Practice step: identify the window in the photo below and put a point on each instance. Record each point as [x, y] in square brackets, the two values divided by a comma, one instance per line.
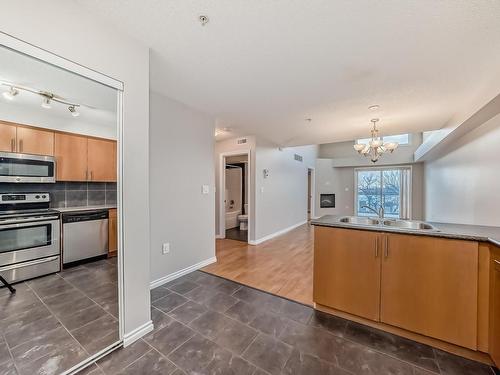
[402, 139]
[383, 187]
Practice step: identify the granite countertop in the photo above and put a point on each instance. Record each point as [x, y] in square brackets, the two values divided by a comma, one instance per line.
[85, 208]
[446, 230]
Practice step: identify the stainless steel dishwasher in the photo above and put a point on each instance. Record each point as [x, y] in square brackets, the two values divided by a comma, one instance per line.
[85, 235]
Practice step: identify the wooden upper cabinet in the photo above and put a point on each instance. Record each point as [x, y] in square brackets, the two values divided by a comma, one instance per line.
[429, 285]
[347, 270]
[7, 137]
[495, 307]
[35, 141]
[71, 157]
[101, 160]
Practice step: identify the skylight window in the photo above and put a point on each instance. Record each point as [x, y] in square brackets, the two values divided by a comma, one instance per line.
[402, 139]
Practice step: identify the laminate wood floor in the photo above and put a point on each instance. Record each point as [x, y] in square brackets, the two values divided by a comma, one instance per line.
[281, 266]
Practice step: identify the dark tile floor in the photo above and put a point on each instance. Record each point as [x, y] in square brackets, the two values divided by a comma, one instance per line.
[209, 325]
[237, 234]
[54, 322]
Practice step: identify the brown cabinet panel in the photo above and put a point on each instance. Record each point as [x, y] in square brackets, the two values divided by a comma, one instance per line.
[71, 157]
[347, 270]
[7, 137]
[101, 160]
[430, 286]
[35, 141]
[495, 308]
[113, 233]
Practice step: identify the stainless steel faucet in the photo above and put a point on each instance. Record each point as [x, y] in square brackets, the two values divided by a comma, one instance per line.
[380, 213]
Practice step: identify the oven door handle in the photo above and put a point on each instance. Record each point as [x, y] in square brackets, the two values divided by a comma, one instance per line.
[28, 264]
[4, 223]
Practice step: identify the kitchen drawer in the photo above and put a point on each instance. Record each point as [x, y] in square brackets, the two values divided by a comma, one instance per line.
[28, 270]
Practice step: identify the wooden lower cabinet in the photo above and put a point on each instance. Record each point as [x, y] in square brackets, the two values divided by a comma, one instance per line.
[347, 270]
[430, 286]
[422, 284]
[112, 233]
[495, 307]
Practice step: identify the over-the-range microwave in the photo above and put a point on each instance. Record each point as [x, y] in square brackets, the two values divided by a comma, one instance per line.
[15, 167]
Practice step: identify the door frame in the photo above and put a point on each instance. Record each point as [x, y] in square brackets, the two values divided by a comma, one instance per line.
[313, 191]
[222, 190]
[41, 54]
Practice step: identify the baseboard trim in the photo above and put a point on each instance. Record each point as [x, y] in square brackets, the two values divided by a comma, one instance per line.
[137, 333]
[276, 234]
[219, 236]
[177, 274]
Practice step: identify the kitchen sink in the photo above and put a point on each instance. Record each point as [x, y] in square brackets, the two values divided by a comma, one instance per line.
[359, 220]
[408, 224]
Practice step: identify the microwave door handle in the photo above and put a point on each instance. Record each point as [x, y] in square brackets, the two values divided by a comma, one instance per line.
[27, 264]
[6, 224]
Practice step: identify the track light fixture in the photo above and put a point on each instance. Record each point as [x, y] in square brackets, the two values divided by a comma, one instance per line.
[47, 97]
[9, 95]
[46, 103]
[73, 111]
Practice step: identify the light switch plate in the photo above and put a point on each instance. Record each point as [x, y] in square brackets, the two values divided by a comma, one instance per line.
[165, 248]
[205, 189]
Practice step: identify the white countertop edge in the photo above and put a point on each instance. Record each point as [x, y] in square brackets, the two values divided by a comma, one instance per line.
[84, 208]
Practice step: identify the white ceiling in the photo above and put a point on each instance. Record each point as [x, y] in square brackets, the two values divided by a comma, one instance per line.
[98, 102]
[261, 67]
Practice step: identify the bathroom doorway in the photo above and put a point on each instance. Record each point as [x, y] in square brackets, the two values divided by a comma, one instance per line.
[236, 178]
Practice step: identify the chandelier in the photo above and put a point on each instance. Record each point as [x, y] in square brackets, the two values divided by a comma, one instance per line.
[376, 147]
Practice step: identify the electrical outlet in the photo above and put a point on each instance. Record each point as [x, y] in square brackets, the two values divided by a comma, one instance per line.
[165, 248]
[205, 189]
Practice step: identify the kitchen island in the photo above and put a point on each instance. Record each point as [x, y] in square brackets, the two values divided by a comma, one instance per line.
[433, 285]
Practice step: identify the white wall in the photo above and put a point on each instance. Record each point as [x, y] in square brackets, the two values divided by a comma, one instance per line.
[463, 186]
[65, 29]
[338, 181]
[181, 161]
[281, 198]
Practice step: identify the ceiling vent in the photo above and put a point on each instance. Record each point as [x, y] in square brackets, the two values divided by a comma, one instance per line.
[242, 141]
[297, 157]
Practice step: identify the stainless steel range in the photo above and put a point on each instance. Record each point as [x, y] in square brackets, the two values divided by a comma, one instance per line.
[29, 236]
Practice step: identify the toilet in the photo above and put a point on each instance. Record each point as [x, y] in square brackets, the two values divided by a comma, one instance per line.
[243, 219]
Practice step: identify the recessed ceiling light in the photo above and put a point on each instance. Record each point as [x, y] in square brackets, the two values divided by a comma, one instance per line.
[203, 19]
[374, 107]
[308, 119]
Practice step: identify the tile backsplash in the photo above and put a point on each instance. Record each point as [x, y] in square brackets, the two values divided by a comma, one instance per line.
[69, 194]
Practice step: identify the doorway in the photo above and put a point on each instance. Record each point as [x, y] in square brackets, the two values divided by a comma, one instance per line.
[310, 194]
[235, 196]
[64, 300]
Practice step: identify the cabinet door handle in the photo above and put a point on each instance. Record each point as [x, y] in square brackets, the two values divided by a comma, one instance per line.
[12, 145]
[497, 262]
[87, 175]
[376, 247]
[91, 175]
[20, 145]
[386, 246]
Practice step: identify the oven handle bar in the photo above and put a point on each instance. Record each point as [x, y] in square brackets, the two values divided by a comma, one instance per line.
[29, 220]
[28, 264]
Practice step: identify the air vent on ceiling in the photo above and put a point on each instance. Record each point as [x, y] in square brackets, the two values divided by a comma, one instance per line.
[297, 157]
[242, 141]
